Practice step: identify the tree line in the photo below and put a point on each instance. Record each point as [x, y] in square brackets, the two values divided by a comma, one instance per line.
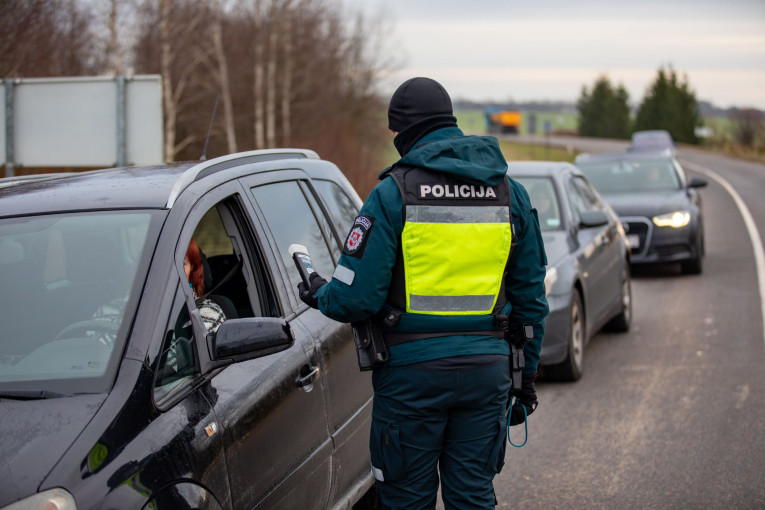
[669, 103]
[274, 73]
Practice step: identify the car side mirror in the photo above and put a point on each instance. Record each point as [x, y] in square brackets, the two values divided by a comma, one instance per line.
[590, 219]
[250, 338]
[697, 182]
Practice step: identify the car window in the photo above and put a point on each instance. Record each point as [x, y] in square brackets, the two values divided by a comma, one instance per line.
[581, 197]
[544, 200]
[627, 176]
[340, 206]
[177, 357]
[68, 287]
[223, 283]
[591, 199]
[651, 140]
[333, 241]
[224, 278]
[292, 221]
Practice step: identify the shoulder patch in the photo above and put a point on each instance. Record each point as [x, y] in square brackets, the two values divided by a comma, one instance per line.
[357, 238]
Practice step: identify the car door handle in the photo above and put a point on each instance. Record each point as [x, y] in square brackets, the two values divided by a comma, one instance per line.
[305, 380]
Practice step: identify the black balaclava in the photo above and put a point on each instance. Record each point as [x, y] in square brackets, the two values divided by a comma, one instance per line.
[419, 106]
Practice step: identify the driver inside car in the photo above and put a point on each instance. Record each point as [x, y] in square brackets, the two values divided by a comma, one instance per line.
[212, 313]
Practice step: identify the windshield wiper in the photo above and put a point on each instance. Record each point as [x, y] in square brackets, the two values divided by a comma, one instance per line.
[30, 394]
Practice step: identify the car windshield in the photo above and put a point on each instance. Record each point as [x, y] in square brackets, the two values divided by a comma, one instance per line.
[68, 283]
[651, 140]
[544, 200]
[626, 176]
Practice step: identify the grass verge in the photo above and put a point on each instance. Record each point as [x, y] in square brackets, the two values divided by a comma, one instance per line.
[515, 151]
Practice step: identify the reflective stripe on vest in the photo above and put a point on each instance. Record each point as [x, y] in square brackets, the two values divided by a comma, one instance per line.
[454, 257]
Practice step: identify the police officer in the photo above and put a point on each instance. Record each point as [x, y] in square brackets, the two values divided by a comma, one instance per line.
[435, 256]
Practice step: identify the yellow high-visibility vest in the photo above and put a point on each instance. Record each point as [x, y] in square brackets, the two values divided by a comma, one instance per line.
[454, 255]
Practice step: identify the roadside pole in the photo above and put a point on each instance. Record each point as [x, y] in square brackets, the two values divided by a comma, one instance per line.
[9, 163]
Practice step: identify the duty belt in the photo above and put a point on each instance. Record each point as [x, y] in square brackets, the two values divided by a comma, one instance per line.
[402, 338]
[393, 316]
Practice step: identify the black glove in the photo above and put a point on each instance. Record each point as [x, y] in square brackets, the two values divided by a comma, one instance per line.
[307, 294]
[526, 397]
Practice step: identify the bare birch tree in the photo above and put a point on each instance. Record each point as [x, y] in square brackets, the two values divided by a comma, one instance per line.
[288, 64]
[223, 79]
[114, 44]
[47, 38]
[289, 72]
[176, 33]
[258, 85]
[166, 60]
[271, 57]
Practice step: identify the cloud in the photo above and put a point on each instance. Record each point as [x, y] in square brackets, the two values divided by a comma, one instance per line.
[494, 49]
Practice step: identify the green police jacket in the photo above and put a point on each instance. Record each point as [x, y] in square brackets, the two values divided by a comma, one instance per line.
[360, 284]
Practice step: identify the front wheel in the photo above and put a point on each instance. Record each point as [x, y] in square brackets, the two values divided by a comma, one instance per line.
[621, 323]
[570, 369]
[695, 265]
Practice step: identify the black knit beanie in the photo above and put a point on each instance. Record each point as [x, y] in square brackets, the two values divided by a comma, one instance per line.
[417, 99]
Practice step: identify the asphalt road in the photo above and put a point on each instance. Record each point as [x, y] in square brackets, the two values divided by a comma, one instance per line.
[669, 415]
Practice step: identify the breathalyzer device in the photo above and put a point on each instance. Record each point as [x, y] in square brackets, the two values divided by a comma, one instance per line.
[299, 254]
[370, 346]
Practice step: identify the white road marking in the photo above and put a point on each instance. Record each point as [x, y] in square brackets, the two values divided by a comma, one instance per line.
[751, 227]
[742, 393]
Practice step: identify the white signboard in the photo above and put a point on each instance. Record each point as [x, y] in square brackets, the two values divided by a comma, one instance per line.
[75, 122]
[2, 127]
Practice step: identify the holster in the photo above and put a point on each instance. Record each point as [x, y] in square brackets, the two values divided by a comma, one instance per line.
[517, 362]
[517, 335]
[370, 345]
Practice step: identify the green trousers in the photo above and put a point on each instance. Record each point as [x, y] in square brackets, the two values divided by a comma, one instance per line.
[445, 420]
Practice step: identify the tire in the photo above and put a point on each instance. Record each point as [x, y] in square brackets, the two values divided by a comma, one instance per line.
[570, 369]
[621, 323]
[369, 501]
[695, 265]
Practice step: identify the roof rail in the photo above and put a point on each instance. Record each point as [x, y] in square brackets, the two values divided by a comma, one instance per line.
[13, 180]
[206, 168]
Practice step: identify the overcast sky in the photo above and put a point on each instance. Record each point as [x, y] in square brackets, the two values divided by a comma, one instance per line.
[521, 50]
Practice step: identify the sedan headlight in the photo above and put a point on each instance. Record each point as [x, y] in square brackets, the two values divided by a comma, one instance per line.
[54, 499]
[675, 219]
[551, 276]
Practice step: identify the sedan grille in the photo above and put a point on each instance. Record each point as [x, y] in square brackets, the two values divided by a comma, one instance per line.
[638, 232]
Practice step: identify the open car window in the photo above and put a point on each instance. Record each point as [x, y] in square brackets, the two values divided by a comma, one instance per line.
[226, 281]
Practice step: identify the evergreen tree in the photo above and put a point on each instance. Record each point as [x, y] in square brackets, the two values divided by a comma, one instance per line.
[604, 113]
[671, 105]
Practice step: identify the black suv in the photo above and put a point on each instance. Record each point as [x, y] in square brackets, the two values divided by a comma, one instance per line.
[113, 394]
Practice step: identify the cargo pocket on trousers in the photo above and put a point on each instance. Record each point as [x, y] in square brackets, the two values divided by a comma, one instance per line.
[496, 459]
[388, 463]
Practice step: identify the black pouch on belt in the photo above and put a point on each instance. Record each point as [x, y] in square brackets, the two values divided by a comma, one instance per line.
[370, 345]
[518, 335]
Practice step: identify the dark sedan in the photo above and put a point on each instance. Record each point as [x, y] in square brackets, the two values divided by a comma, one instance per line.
[588, 277]
[660, 208]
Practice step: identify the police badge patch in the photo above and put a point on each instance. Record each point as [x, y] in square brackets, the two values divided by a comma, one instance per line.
[358, 236]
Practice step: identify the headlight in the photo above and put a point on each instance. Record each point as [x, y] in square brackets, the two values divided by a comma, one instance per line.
[54, 499]
[675, 219]
[551, 276]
